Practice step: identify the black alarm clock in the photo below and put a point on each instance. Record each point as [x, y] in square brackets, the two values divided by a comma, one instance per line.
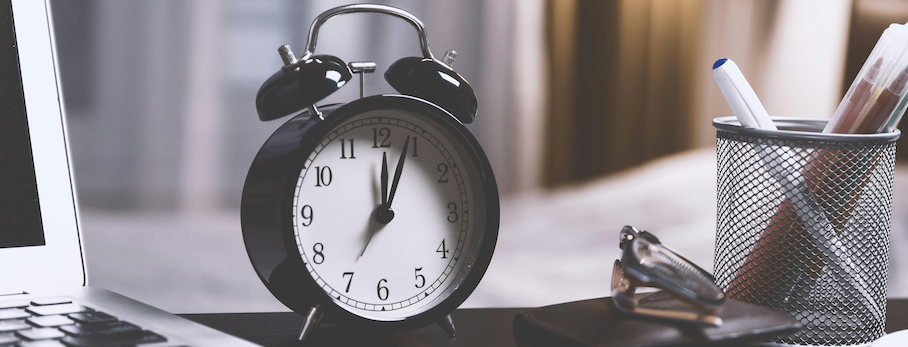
[381, 213]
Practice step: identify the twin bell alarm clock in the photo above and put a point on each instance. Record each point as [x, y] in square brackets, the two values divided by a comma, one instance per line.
[381, 213]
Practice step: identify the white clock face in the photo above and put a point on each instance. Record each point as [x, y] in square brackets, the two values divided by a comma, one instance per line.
[408, 265]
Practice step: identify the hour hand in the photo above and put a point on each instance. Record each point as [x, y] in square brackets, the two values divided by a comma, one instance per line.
[384, 178]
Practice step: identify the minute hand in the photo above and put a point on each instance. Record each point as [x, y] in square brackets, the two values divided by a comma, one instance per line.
[400, 167]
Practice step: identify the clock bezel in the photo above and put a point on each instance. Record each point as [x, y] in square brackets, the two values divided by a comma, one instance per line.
[333, 310]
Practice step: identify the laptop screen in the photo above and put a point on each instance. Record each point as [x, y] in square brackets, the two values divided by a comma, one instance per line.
[20, 215]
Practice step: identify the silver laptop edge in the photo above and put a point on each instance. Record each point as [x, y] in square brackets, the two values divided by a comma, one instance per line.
[64, 129]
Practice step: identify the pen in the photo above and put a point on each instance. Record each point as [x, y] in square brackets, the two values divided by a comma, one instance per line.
[896, 117]
[740, 95]
[882, 107]
[784, 236]
[850, 108]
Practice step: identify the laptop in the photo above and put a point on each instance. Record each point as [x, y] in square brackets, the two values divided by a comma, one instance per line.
[44, 300]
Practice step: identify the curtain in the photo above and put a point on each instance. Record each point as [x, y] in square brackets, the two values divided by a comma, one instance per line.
[631, 79]
[622, 87]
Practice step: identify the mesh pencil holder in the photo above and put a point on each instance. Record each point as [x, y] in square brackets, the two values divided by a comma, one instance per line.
[803, 223]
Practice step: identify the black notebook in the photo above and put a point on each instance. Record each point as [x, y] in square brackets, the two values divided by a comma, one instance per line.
[597, 323]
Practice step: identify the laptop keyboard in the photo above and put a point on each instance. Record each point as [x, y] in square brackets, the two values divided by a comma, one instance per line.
[59, 322]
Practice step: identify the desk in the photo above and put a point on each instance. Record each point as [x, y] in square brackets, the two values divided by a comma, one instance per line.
[475, 327]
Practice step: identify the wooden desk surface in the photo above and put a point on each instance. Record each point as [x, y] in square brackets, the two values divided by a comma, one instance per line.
[475, 327]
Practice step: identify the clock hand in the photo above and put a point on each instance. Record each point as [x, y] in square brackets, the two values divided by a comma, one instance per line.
[382, 212]
[372, 233]
[384, 178]
[400, 167]
[381, 215]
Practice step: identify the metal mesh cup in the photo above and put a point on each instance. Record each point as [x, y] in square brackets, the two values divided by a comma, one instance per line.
[803, 224]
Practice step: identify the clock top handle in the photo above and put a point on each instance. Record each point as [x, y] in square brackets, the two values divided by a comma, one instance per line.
[368, 8]
[424, 77]
[304, 81]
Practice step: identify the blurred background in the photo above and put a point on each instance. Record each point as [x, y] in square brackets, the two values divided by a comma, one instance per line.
[594, 114]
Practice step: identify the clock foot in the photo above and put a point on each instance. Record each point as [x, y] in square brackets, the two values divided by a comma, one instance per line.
[312, 319]
[447, 324]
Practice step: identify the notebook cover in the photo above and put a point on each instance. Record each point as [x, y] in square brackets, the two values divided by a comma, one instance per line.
[597, 323]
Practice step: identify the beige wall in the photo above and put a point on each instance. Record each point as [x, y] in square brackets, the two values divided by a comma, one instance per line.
[792, 52]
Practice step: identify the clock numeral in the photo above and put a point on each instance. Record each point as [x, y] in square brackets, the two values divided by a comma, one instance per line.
[323, 176]
[344, 149]
[381, 132]
[306, 216]
[443, 168]
[420, 278]
[382, 288]
[453, 216]
[415, 150]
[348, 281]
[318, 257]
[442, 249]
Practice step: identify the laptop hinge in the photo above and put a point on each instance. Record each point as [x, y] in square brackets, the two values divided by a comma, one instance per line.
[13, 293]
